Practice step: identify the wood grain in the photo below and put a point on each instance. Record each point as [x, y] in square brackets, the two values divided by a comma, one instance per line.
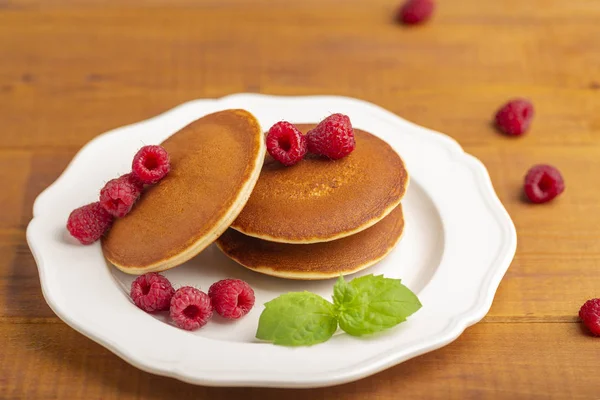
[120, 65]
[71, 70]
[490, 360]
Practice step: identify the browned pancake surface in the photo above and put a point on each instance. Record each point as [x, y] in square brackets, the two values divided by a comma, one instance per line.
[318, 260]
[319, 200]
[212, 161]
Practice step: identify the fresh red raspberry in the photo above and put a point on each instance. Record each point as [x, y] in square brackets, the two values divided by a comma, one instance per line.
[88, 223]
[151, 164]
[231, 298]
[134, 180]
[333, 137]
[543, 183]
[515, 117]
[118, 195]
[415, 11]
[590, 315]
[190, 308]
[286, 143]
[152, 292]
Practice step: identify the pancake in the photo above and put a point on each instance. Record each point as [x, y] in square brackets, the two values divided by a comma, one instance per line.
[318, 200]
[215, 163]
[319, 260]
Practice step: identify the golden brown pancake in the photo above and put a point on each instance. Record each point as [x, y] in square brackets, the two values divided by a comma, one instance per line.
[319, 200]
[318, 260]
[215, 163]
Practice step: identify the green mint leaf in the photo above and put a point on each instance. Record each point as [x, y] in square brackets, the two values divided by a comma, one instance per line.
[297, 319]
[343, 293]
[377, 304]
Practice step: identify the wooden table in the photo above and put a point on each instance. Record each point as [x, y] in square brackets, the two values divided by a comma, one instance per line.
[72, 69]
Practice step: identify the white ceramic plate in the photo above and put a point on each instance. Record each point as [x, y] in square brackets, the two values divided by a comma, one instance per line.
[457, 245]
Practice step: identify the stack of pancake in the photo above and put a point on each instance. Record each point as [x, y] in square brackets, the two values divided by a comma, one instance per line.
[315, 220]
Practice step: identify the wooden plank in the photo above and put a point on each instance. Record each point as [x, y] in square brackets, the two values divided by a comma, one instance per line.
[517, 361]
[24, 174]
[75, 69]
[554, 272]
[19, 282]
[14, 173]
[534, 289]
[558, 256]
[543, 290]
[75, 72]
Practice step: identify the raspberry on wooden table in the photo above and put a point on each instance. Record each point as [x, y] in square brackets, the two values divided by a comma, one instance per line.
[333, 137]
[118, 195]
[590, 315]
[151, 164]
[231, 298]
[415, 11]
[285, 143]
[88, 223]
[543, 183]
[514, 118]
[190, 308]
[152, 292]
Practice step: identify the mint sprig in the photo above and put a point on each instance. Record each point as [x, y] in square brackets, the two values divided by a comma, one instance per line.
[362, 306]
[297, 319]
[373, 303]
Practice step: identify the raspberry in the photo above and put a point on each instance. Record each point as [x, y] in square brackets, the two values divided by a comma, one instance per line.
[118, 195]
[515, 117]
[543, 183]
[190, 308]
[88, 223]
[415, 11]
[333, 137]
[152, 292]
[286, 143]
[590, 315]
[231, 298]
[151, 164]
[134, 180]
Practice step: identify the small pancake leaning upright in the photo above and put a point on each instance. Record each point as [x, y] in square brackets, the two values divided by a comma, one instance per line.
[319, 200]
[215, 163]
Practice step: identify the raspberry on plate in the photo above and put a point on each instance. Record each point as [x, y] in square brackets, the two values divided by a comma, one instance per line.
[190, 308]
[590, 315]
[88, 223]
[415, 11]
[333, 137]
[118, 195]
[152, 292]
[231, 298]
[286, 143]
[151, 164]
[515, 117]
[543, 183]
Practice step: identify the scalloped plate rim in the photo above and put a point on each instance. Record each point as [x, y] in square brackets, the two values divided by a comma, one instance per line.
[457, 324]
